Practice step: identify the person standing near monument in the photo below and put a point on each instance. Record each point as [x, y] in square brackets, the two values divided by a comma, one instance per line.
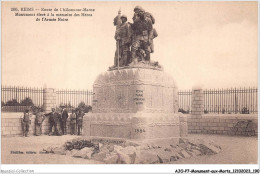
[143, 34]
[73, 118]
[26, 121]
[40, 117]
[54, 118]
[80, 121]
[123, 37]
[64, 117]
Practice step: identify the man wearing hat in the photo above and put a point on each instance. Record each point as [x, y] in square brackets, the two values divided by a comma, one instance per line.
[54, 118]
[123, 36]
[64, 117]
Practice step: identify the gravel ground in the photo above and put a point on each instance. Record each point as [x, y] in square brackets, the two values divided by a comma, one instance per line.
[235, 150]
[36, 144]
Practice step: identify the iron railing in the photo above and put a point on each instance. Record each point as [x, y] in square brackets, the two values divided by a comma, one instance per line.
[184, 98]
[12, 98]
[72, 98]
[16, 96]
[233, 100]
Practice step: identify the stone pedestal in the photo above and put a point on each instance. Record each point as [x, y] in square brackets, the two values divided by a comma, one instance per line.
[135, 103]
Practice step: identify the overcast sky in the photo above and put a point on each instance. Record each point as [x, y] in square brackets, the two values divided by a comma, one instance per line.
[213, 44]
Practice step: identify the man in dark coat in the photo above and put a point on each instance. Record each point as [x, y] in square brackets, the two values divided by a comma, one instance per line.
[64, 117]
[54, 118]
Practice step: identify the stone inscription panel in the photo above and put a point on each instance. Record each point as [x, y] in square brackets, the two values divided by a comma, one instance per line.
[139, 97]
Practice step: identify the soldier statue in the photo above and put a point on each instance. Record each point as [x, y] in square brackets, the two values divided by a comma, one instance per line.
[134, 41]
[123, 37]
[137, 9]
[117, 23]
[142, 36]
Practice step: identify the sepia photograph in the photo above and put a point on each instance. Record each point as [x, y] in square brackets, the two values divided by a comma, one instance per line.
[134, 82]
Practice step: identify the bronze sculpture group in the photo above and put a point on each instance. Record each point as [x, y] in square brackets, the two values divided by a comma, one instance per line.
[134, 40]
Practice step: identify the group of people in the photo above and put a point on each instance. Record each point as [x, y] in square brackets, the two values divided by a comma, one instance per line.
[134, 40]
[55, 118]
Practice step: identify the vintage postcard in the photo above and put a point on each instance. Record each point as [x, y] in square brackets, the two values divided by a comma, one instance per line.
[147, 82]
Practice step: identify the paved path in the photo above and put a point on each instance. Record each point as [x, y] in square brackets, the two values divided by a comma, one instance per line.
[235, 150]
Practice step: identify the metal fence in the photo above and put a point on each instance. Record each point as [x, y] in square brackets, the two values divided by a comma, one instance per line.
[12, 95]
[233, 100]
[17, 99]
[184, 98]
[72, 98]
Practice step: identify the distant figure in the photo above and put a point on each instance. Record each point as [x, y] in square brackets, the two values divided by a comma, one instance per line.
[54, 118]
[26, 121]
[40, 117]
[73, 118]
[80, 121]
[64, 117]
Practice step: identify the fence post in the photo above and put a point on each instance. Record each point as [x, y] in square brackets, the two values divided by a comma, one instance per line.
[197, 102]
[49, 99]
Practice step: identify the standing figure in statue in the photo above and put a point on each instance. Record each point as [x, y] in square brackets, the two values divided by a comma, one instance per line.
[137, 9]
[117, 23]
[40, 117]
[142, 36]
[123, 37]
